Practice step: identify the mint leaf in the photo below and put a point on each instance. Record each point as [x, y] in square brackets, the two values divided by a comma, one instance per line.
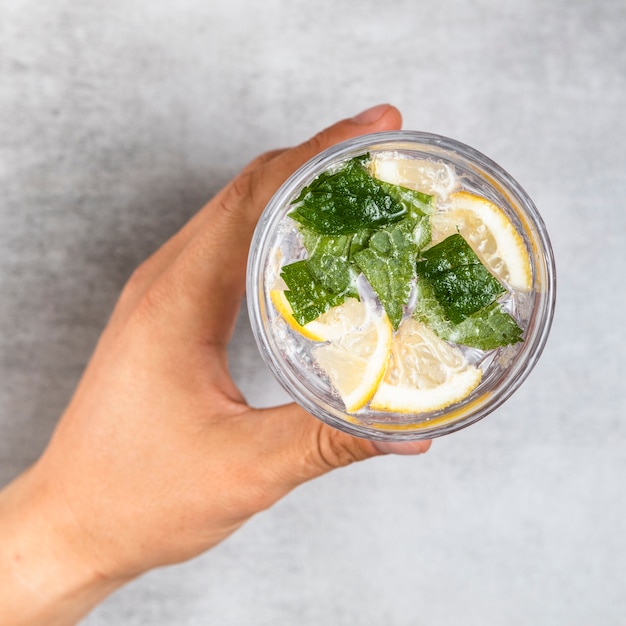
[388, 263]
[416, 202]
[486, 329]
[329, 260]
[461, 283]
[386, 255]
[422, 231]
[346, 201]
[360, 241]
[307, 296]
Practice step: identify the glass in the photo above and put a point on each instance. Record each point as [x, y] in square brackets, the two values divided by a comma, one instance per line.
[289, 355]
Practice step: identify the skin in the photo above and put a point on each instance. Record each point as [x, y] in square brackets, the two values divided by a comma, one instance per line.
[158, 457]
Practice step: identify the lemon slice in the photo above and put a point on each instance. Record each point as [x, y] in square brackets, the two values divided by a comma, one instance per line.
[330, 326]
[279, 300]
[491, 235]
[355, 361]
[430, 177]
[424, 373]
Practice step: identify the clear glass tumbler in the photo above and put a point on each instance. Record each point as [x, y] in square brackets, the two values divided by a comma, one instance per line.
[291, 356]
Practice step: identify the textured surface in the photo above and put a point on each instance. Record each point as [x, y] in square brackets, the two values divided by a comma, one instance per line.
[119, 119]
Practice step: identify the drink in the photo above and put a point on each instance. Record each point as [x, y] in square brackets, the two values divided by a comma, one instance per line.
[401, 285]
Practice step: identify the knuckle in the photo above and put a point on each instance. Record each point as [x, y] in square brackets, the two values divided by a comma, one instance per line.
[263, 158]
[247, 189]
[138, 280]
[317, 143]
[334, 449]
[151, 302]
[239, 193]
[133, 288]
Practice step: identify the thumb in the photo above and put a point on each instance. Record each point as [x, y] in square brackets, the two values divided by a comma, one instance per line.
[307, 447]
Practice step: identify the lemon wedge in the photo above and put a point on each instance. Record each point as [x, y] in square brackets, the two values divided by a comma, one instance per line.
[429, 177]
[356, 358]
[424, 373]
[491, 235]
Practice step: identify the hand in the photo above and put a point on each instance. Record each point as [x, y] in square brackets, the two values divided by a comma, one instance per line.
[158, 457]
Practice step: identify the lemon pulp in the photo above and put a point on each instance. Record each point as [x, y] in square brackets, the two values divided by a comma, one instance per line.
[424, 373]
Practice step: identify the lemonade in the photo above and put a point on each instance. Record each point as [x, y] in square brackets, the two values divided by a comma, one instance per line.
[400, 286]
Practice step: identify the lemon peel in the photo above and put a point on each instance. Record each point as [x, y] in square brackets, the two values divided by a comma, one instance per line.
[355, 362]
[490, 233]
[424, 373]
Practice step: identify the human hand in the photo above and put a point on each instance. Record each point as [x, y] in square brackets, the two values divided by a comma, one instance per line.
[158, 457]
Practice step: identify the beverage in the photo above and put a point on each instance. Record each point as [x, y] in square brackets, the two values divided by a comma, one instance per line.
[400, 286]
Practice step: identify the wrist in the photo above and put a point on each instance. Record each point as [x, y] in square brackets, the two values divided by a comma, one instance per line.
[45, 578]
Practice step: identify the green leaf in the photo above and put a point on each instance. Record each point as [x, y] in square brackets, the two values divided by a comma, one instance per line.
[307, 296]
[486, 329]
[388, 263]
[329, 260]
[386, 255]
[461, 283]
[416, 202]
[352, 223]
[422, 232]
[359, 242]
[346, 201]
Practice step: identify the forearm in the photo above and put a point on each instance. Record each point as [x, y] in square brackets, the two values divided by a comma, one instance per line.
[44, 581]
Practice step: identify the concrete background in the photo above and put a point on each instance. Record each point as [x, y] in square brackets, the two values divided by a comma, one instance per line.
[119, 119]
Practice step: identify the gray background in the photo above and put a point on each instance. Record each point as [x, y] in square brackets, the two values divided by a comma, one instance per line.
[119, 119]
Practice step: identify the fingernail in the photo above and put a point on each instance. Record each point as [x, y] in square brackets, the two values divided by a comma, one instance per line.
[369, 116]
[402, 447]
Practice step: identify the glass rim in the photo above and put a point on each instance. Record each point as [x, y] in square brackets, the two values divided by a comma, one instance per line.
[544, 272]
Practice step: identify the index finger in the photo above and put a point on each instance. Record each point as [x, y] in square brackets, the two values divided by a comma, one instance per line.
[208, 276]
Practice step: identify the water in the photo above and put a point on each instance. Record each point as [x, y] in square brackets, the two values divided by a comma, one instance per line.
[297, 352]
